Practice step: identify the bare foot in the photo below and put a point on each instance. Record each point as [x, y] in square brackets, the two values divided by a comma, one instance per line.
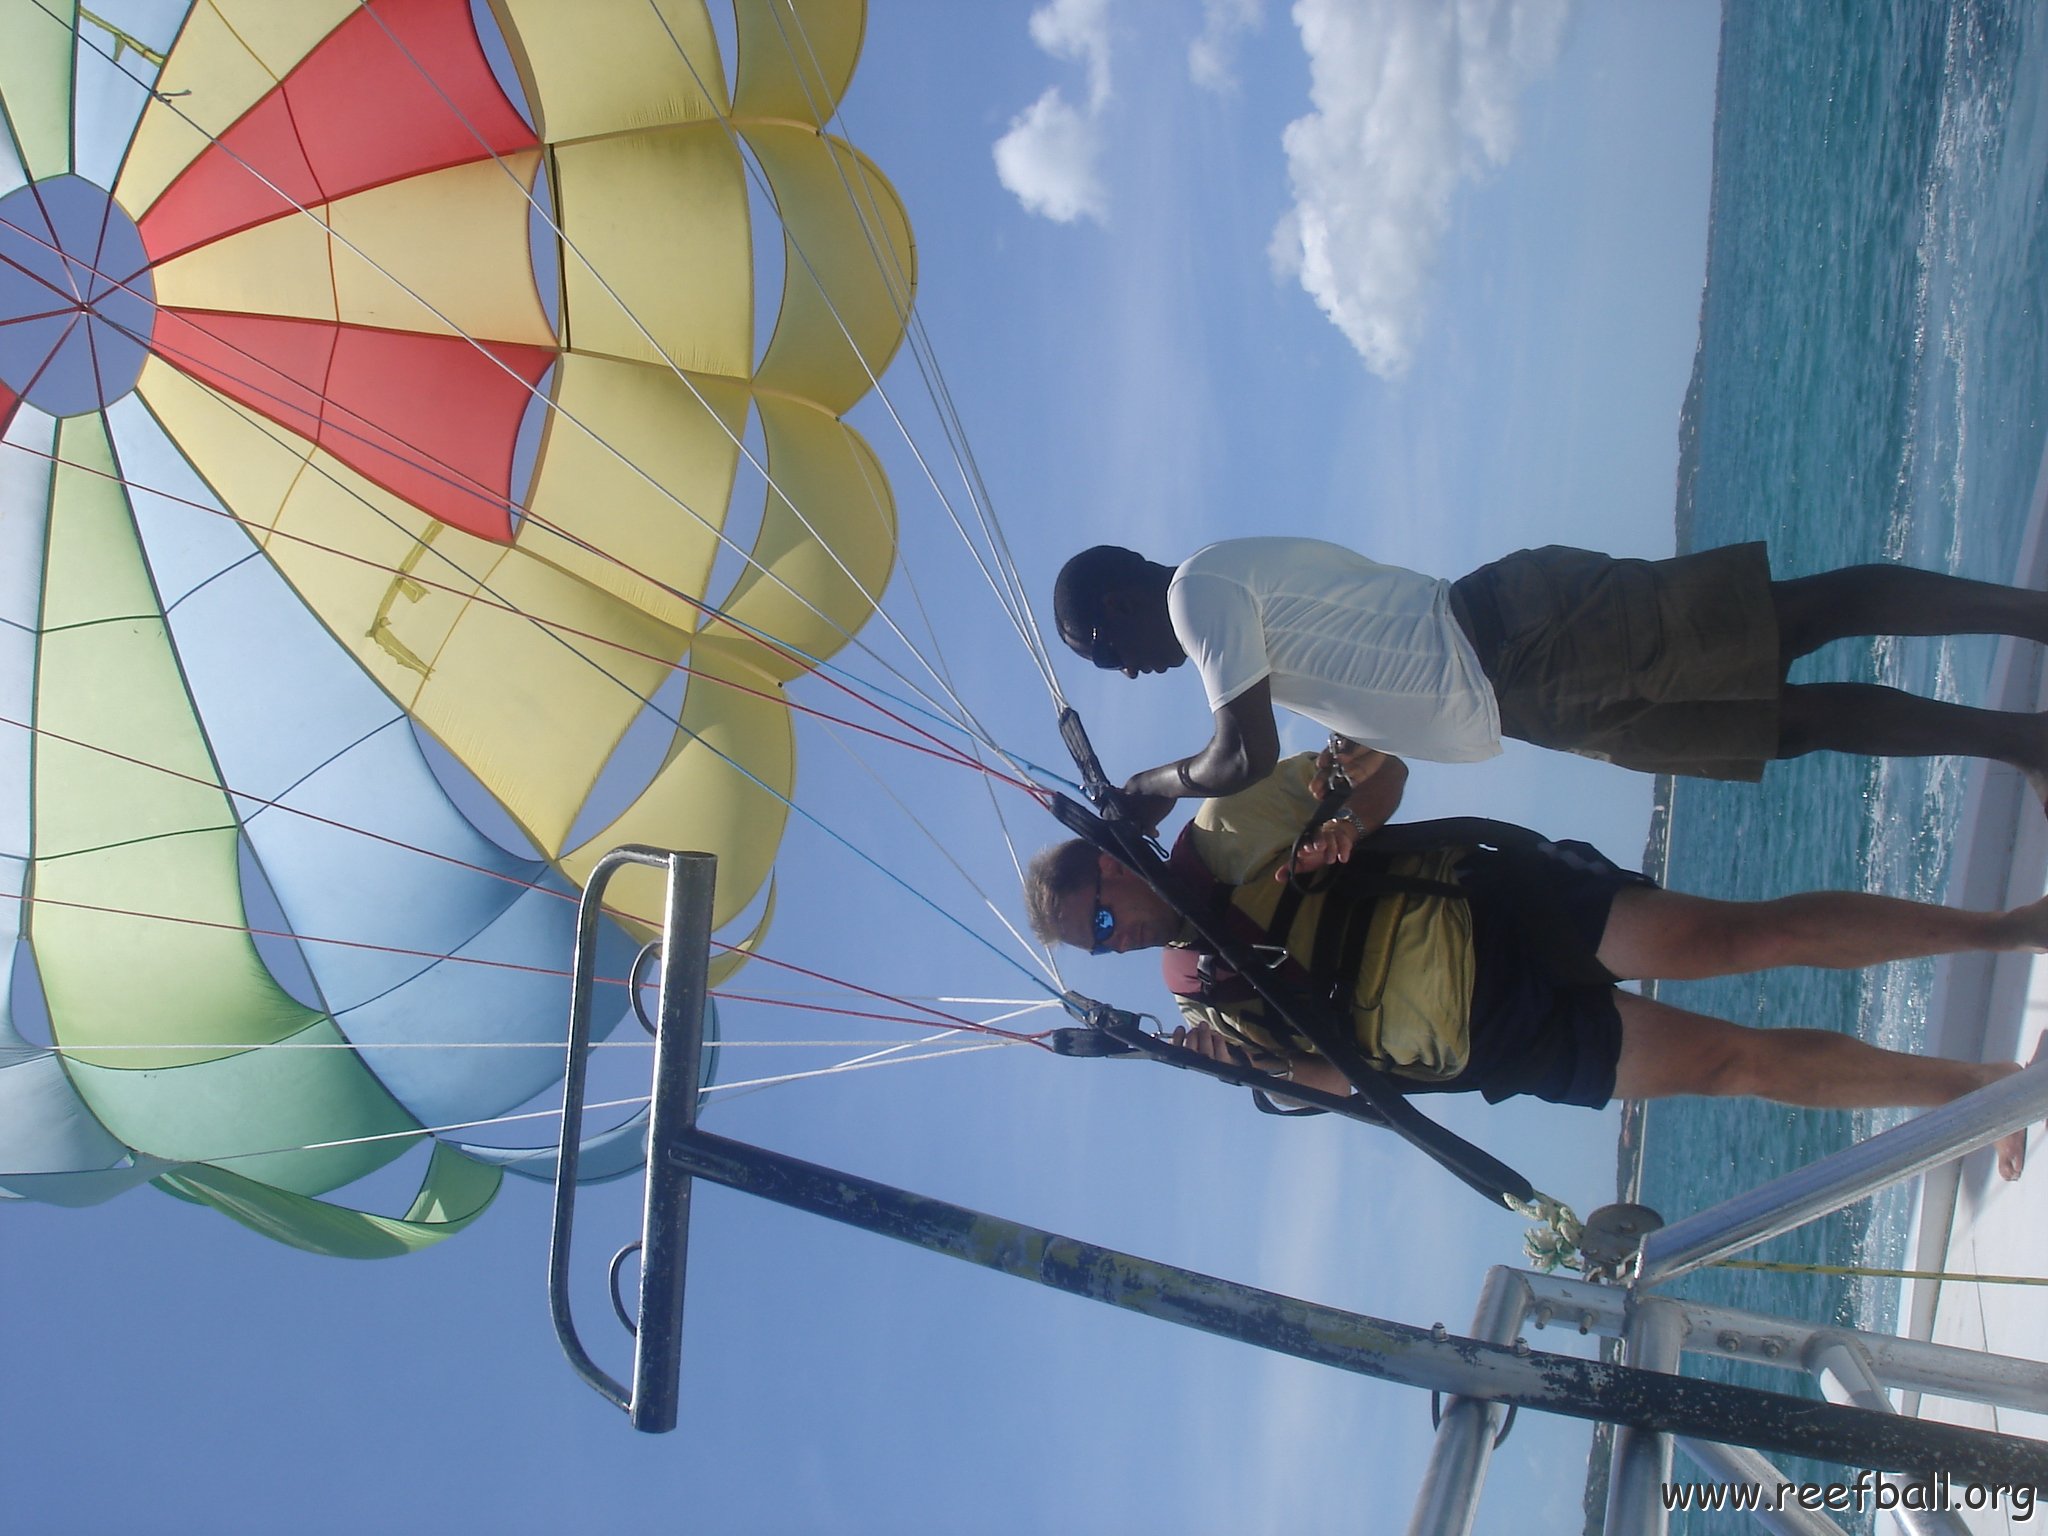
[2012, 1149]
[2029, 925]
[2012, 1155]
[2037, 780]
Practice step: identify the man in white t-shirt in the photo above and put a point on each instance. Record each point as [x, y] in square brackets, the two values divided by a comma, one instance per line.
[1671, 666]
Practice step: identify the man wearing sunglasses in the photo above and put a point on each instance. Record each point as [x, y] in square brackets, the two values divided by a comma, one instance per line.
[1494, 969]
[1667, 666]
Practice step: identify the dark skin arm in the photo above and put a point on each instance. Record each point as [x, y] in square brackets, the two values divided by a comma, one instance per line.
[1242, 752]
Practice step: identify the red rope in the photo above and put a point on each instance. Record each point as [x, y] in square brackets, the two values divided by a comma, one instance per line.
[939, 1018]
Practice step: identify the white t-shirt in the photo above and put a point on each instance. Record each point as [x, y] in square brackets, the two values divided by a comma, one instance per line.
[1366, 649]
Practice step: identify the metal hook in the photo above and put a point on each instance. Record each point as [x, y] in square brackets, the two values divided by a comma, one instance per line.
[1436, 1417]
[612, 1279]
[634, 985]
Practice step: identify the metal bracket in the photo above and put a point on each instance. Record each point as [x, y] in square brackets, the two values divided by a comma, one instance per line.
[678, 1069]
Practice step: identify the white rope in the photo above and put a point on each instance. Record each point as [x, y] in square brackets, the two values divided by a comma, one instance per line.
[569, 416]
[1030, 950]
[1008, 590]
[1011, 594]
[84, 1051]
[756, 1084]
[964, 719]
[639, 1101]
[547, 217]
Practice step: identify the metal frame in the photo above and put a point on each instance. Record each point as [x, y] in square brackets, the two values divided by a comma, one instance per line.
[1482, 1373]
[1852, 1367]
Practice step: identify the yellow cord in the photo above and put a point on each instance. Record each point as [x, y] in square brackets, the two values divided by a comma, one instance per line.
[1882, 1274]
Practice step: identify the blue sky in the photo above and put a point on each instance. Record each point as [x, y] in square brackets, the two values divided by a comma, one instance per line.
[1516, 216]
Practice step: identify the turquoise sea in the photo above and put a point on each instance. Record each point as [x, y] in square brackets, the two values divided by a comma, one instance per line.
[1871, 384]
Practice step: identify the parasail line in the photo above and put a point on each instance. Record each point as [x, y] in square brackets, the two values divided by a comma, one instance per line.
[834, 834]
[580, 427]
[946, 1020]
[1005, 599]
[547, 218]
[1017, 603]
[508, 878]
[944, 851]
[744, 771]
[956, 1026]
[941, 749]
[653, 342]
[479, 1045]
[995, 804]
[552, 405]
[639, 1101]
[431, 466]
[865, 1064]
[275, 933]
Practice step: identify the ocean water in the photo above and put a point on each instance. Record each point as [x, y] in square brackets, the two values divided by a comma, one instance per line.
[1871, 384]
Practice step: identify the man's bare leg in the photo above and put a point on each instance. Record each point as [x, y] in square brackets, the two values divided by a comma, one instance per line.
[1884, 722]
[1675, 937]
[1813, 611]
[1667, 1051]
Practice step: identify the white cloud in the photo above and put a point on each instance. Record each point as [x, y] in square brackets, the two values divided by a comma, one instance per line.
[1411, 98]
[1209, 55]
[1051, 158]
[1078, 30]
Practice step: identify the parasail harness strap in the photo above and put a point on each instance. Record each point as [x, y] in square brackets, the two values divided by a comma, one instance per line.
[1309, 1018]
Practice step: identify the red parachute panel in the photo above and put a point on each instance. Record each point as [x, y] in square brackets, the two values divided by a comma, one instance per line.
[432, 419]
[400, 88]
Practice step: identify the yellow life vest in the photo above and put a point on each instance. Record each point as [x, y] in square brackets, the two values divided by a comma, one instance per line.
[1388, 934]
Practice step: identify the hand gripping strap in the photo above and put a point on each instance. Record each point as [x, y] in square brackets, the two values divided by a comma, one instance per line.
[1312, 1021]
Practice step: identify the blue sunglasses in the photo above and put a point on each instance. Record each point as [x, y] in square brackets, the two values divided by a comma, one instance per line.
[1102, 924]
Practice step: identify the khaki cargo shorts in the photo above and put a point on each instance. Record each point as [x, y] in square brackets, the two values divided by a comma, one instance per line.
[1666, 666]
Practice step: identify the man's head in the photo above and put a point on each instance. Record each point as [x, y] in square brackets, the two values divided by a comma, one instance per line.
[1110, 607]
[1077, 895]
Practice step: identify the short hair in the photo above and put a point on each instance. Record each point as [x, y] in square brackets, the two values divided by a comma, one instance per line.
[1053, 875]
[1084, 582]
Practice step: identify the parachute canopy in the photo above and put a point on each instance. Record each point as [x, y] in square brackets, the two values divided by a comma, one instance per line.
[381, 383]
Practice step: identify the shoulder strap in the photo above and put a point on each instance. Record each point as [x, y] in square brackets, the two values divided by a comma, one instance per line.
[1128, 844]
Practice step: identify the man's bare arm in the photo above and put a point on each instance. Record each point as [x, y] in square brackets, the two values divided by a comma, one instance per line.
[1309, 1071]
[1378, 781]
[1243, 751]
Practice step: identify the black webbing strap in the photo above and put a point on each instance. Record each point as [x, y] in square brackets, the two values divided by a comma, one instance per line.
[1309, 1017]
[1113, 1032]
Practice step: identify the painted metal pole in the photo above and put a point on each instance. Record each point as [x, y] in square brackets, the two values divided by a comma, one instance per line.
[1739, 1464]
[1929, 1139]
[1398, 1352]
[679, 1043]
[1847, 1375]
[1730, 1333]
[1448, 1501]
[678, 1070]
[1640, 1466]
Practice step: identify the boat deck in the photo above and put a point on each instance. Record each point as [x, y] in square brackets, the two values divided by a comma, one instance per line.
[1992, 1007]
